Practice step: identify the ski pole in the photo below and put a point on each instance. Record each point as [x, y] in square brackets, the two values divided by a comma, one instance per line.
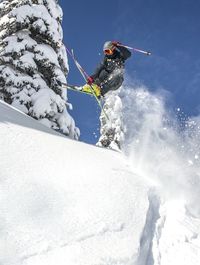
[135, 49]
[84, 74]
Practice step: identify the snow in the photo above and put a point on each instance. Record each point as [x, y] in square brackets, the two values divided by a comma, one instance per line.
[160, 148]
[4, 20]
[67, 202]
[63, 55]
[27, 61]
[46, 102]
[55, 10]
[59, 209]
[112, 129]
[27, 41]
[34, 60]
[42, 18]
[45, 52]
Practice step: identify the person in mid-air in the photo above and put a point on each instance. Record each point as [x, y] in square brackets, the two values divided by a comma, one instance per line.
[109, 75]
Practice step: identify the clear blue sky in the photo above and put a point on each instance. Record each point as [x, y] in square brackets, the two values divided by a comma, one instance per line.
[170, 29]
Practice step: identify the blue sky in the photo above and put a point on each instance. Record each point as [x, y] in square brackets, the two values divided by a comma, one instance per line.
[170, 29]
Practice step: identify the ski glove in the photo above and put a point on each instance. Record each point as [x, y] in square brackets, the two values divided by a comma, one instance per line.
[90, 80]
[116, 43]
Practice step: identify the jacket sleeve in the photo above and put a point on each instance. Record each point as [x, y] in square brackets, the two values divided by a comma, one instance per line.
[124, 52]
[99, 68]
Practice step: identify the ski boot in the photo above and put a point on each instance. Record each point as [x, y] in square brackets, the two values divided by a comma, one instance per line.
[97, 90]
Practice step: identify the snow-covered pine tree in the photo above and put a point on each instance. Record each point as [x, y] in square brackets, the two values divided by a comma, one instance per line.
[33, 59]
[112, 130]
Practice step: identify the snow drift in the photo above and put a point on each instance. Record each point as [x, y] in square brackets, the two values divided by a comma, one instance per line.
[66, 202]
[63, 201]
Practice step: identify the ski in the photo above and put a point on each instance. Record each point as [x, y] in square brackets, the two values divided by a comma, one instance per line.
[85, 76]
[77, 89]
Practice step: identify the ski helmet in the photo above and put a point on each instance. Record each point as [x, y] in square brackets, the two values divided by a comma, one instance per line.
[108, 47]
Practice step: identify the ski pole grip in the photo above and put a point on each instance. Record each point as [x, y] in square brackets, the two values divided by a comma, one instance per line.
[90, 80]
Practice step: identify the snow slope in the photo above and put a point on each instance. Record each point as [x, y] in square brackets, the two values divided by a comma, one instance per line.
[66, 202]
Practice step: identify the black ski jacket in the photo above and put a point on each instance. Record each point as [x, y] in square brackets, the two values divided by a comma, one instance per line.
[109, 73]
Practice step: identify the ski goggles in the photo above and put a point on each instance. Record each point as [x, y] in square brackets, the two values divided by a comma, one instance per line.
[109, 51]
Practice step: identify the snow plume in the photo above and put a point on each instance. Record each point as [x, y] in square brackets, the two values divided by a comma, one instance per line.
[112, 130]
[159, 147]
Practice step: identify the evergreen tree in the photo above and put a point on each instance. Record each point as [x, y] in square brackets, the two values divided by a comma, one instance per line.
[33, 59]
[112, 130]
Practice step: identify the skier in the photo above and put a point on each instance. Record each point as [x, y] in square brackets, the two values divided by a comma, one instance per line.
[109, 75]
